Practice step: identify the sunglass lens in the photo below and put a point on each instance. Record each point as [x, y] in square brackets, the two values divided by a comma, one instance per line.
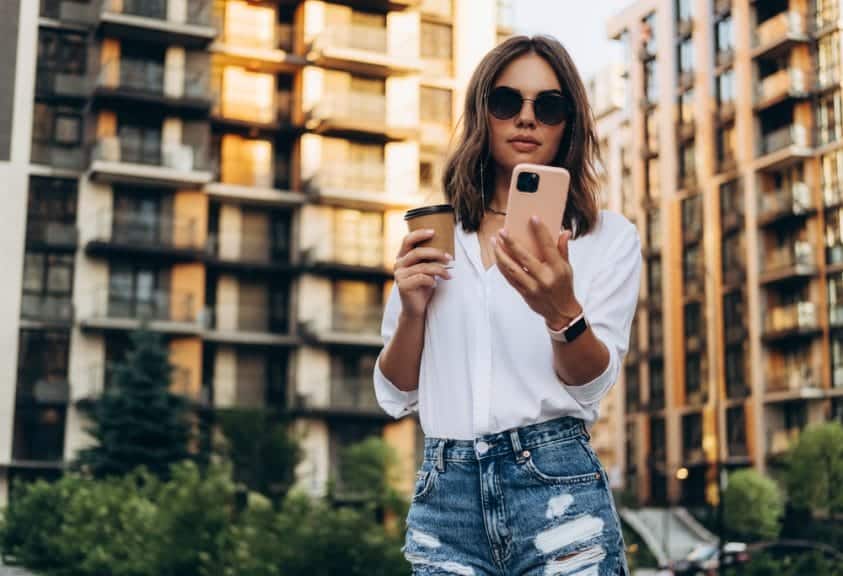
[504, 103]
[550, 108]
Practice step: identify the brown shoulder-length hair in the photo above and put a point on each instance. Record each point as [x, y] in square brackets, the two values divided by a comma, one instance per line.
[578, 151]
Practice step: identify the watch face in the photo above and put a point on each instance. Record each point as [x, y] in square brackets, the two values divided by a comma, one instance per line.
[576, 329]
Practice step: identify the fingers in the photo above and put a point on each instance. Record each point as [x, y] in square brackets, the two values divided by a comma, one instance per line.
[417, 255]
[512, 270]
[545, 240]
[417, 281]
[427, 268]
[413, 238]
[562, 244]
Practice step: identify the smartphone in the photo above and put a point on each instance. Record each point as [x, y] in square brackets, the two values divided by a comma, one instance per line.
[537, 190]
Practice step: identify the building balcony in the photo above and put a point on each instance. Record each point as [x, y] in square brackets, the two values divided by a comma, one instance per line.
[246, 324]
[794, 382]
[380, 5]
[131, 161]
[161, 311]
[47, 309]
[783, 323]
[257, 185]
[779, 33]
[784, 205]
[835, 316]
[347, 327]
[792, 262]
[72, 87]
[735, 275]
[731, 220]
[782, 147]
[784, 84]
[358, 185]
[149, 82]
[93, 382]
[76, 12]
[355, 115]
[248, 252]
[361, 50]
[350, 256]
[737, 389]
[57, 156]
[187, 23]
[47, 234]
[272, 52]
[828, 78]
[348, 397]
[125, 232]
[243, 110]
[780, 440]
[437, 67]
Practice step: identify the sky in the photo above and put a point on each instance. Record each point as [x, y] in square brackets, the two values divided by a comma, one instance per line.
[579, 24]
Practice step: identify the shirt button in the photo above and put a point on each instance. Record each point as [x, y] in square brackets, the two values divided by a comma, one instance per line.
[482, 447]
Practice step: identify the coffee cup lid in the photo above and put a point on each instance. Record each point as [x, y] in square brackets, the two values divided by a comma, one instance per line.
[427, 210]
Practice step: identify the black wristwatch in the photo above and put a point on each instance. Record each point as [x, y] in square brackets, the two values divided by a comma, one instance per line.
[571, 331]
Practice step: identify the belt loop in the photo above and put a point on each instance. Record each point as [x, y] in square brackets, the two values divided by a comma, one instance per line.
[584, 429]
[516, 446]
[440, 456]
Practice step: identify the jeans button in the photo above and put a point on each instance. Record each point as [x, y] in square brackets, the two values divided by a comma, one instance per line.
[482, 447]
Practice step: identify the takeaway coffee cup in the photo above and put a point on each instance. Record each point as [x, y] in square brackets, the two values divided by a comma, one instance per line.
[439, 218]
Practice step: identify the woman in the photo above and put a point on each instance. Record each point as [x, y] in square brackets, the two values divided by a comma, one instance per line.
[507, 356]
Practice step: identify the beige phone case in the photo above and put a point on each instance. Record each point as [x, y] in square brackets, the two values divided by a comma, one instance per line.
[547, 202]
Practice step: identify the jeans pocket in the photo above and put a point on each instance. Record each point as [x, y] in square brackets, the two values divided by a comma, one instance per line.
[566, 462]
[425, 481]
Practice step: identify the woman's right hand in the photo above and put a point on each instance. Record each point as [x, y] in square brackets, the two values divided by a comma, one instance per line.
[416, 270]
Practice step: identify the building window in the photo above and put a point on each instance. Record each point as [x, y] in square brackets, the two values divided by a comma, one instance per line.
[358, 307]
[685, 108]
[651, 86]
[692, 266]
[687, 165]
[633, 390]
[59, 52]
[436, 105]
[726, 88]
[248, 96]
[653, 180]
[694, 393]
[726, 146]
[827, 13]
[656, 385]
[732, 257]
[832, 169]
[140, 144]
[692, 217]
[436, 41]
[736, 431]
[358, 237]
[55, 128]
[829, 118]
[39, 433]
[42, 366]
[648, 34]
[656, 335]
[736, 372]
[651, 126]
[724, 38]
[47, 286]
[684, 10]
[685, 61]
[51, 213]
[137, 292]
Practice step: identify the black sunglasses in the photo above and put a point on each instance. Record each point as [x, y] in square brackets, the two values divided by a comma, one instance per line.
[549, 107]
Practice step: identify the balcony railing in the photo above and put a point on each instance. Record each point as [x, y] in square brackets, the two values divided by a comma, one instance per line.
[159, 305]
[154, 78]
[798, 255]
[795, 379]
[792, 135]
[794, 200]
[100, 378]
[245, 318]
[280, 39]
[131, 228]
[353, 393]
[247, 246]
[364, 319]
[48, 82]
[780, 440]
[780, 28]
[352, 107]
[198, 11]
[798, 316]
[65, 157]
[47, 308]
[51, 233]
[181, 157]
[366, 38]
[369, 177]
[782, 83]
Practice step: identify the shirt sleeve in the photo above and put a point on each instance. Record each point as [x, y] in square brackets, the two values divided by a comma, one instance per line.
[609, 307]
[394, 402]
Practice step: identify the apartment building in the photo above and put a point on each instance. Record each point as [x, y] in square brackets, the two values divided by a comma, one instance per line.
[729, 145]
[233, 173]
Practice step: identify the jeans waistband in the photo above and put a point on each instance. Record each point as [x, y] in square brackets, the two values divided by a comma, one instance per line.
[512, 441]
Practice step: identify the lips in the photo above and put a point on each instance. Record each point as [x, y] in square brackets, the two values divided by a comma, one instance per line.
[524, 143]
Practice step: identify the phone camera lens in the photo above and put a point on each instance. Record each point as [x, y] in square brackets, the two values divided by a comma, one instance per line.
[528, 182]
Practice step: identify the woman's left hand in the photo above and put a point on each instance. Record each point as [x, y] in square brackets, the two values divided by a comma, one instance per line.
[547, 286]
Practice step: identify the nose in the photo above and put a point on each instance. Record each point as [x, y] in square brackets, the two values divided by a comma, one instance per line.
[527, 115]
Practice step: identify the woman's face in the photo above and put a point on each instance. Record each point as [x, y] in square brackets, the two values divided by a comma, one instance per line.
[524, 138]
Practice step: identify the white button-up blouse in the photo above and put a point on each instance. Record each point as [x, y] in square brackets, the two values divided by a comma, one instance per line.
[487, 362]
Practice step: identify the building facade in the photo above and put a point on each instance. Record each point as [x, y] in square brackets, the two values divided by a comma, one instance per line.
[233, 174]
[729, 147]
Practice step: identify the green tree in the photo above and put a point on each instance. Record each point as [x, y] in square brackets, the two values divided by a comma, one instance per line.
[370, 472]
[138, 421]
[814, 473]
[753, 505]
[263, 454]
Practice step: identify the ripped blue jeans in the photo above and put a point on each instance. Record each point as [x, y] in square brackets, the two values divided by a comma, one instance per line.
[533, 501]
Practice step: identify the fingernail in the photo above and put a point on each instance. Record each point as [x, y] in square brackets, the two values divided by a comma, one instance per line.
[448, 257]
[430, 231]
[503, 233]
[534, 219]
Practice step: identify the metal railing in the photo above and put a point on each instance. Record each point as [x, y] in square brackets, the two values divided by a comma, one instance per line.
[795, 378]
[801, 315]
[352, 106]
[246, 246]
[786, 81]
[67, 157]
[779, 28]
[51, 233]
[366, 38]
[153, 77]
[159, 305]
[354, 393]
[198, 11]
[793, 200]
[245, 318]
[47, 308]
[799, 254]
[280, 39]
[370, 177]
[136, 229]
[791, 135]
[360, 320]
[130, 150]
